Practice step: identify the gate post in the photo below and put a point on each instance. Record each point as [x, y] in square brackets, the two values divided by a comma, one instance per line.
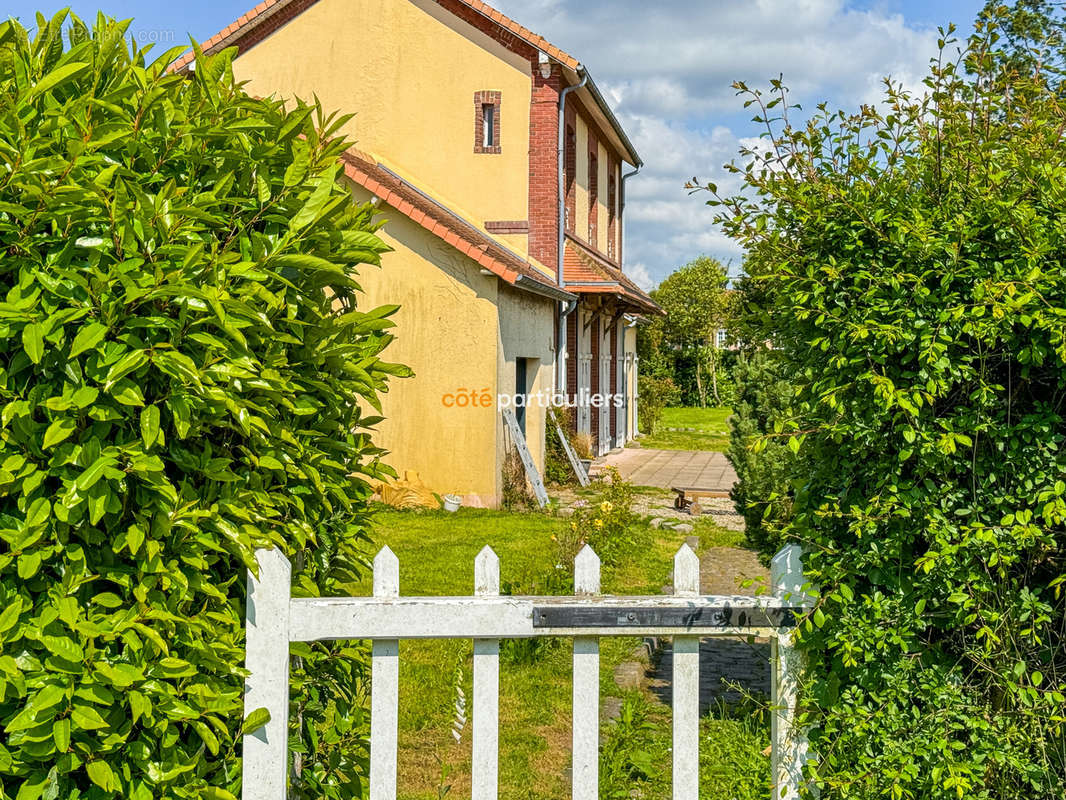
[265, 751]
[789, 748]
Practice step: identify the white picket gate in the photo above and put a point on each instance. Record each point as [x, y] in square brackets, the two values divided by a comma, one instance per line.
[274, 619]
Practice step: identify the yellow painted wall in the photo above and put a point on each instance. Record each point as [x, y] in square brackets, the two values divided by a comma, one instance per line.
[409, 71]
[581, 182]
[526, 331]
[617, 210]
[601, 202]
[446, 331]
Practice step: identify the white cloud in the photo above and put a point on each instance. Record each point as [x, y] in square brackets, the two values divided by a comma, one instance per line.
[667, 68]
[640, 275]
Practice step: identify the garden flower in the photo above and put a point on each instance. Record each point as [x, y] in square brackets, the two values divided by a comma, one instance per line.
[606, 507]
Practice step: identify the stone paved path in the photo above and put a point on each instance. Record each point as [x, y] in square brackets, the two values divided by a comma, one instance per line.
[728, 665]
[699, 469]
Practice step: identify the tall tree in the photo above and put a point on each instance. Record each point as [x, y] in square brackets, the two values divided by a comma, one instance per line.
[697, 305]
[1032, 36]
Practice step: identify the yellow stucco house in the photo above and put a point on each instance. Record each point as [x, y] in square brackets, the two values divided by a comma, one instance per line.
[500, 171]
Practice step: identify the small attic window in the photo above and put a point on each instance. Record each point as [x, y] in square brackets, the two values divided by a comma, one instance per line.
[488, 119]
[487, 122]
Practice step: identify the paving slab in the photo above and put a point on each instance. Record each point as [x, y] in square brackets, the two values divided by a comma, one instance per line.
[696, 469]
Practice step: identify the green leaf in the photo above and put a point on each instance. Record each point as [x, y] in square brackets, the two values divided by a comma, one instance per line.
[93, 473]
[59, 431]
[316, 202]
[100, 774]
[33, 341]
[38, 512]
[28, 564]
[32, 788]
[128, 393]
[182, 415]
[56, 78]
[85, 396]
[125, 365]
[121, 675]
[255, 720]
[89, 336]
[64, 647]
[149, 426]
[87, 718]
[61, 734]
[9, 616]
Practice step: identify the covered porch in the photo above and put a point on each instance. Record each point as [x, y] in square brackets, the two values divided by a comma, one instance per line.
[600, 349]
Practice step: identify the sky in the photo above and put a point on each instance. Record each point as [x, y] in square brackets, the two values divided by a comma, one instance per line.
[667, 67]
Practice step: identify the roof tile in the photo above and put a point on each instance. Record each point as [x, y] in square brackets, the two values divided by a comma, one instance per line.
[254, 17]
[423, 210]
[585, 271]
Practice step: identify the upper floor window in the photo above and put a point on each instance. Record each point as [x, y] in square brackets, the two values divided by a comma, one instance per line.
[487, 122]
[570, 164]
[594, 196]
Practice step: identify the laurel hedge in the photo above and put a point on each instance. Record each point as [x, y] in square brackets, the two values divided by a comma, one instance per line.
[184, 377]
[906, 265]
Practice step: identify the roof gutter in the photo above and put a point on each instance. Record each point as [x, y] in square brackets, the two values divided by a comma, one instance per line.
[622, 207]
[586, 80]
[533, 286]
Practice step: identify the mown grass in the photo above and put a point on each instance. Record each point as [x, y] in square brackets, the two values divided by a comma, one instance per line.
[436, 552]
[711, 430]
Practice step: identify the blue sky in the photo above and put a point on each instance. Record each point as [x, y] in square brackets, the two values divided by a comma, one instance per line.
[667, 67]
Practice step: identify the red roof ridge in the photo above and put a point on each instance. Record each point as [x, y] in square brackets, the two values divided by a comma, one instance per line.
[427, 212]
[255, 16]
[580, 269]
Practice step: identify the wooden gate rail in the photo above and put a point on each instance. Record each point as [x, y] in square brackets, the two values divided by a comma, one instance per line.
[274, 619]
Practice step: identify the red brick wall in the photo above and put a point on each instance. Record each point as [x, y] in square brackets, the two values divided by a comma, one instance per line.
[544, 168]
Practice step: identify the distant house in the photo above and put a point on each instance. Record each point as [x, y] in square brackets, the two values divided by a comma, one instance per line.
[457, 134]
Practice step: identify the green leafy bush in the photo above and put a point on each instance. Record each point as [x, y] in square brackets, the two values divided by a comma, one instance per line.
[765, 465]
[183, 375]
[910, 261]
[653, 395]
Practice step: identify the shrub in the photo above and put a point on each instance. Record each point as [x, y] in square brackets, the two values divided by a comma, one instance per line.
[517, 494]
[653, 395]
[765, 465]
[583, 445]
[910, 260]
[605, 524]
[183, 375]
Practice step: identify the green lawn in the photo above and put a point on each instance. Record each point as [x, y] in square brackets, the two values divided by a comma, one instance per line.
[710, 430]
[436, 551]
